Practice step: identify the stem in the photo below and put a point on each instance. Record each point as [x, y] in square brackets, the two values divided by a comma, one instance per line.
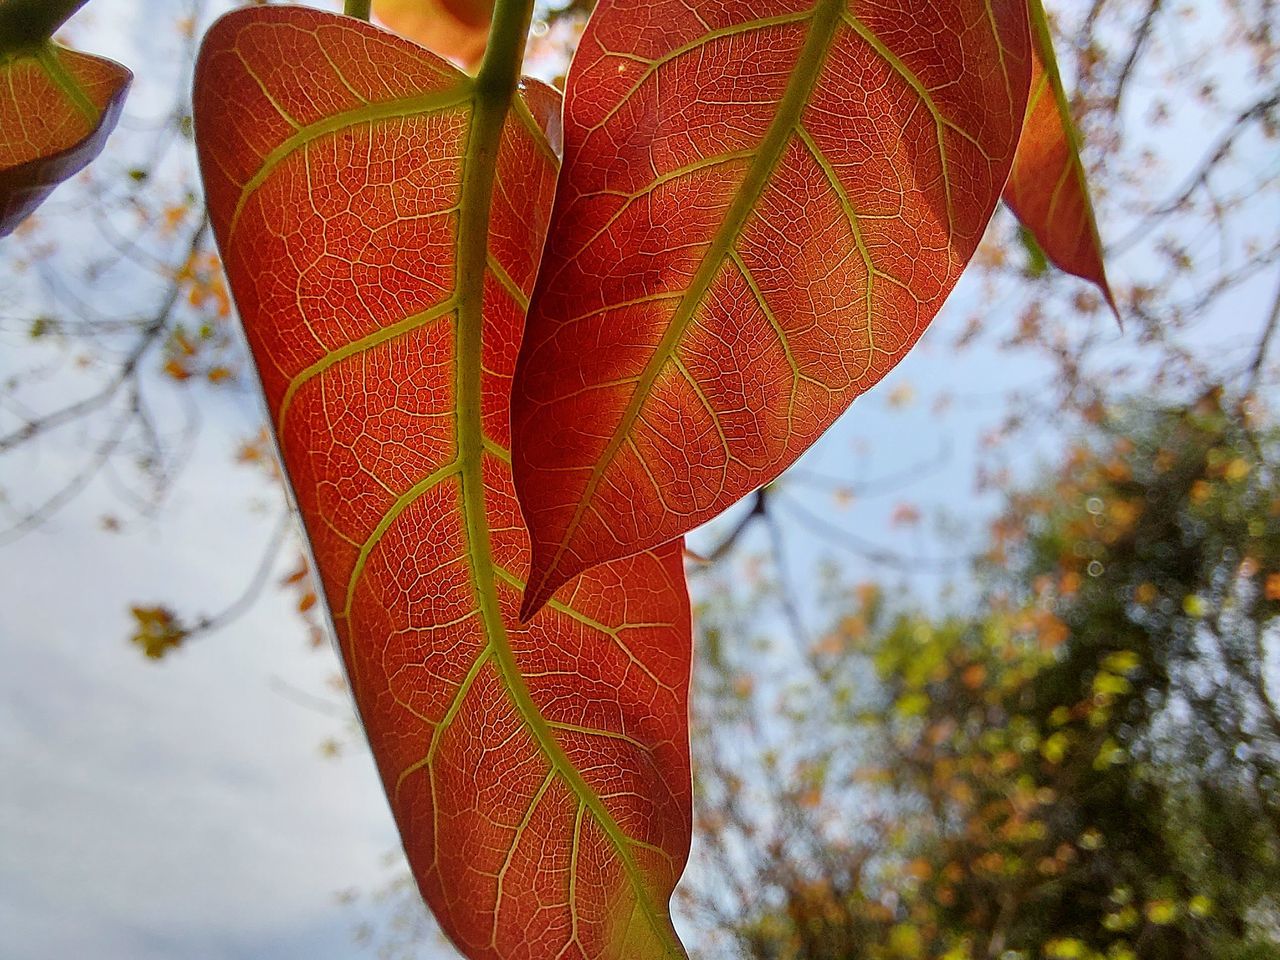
[500, 68]
[357, 8]
[29, 23]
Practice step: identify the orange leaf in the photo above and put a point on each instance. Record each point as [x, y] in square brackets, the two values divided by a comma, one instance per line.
[57, 108]
[176, 370]
[905, 515]
[457, 29]
[296, 575]
[381, 223]
[1047, 189]
[763, 205]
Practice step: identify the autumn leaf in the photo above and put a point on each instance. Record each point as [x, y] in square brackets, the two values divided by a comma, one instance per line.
[57, 108]
[456, 29]
[158, 631]
[1048, 190]
[1272, 586]
[762, 207]
[905, 515]
[381, 218]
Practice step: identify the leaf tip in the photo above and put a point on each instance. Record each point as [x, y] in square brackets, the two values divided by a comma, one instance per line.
[1110, 299]
[536, 595]
[546, 577]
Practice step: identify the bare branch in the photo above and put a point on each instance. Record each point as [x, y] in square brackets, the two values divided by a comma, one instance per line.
[148, 336]
[852, 543]
[1260, 354]
[257, 583]
[759, 506]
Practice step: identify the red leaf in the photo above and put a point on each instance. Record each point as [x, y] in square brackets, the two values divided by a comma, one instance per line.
[539, 774]
[763, 205]
[1048, 190]
[57, 108]
[457, 29]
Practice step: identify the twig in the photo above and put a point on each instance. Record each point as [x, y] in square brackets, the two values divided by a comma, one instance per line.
[759, 508]
[1140, 41]
[1260, 355]
[257, 583]
[150, 333]
[1200, 175]
[854, 544]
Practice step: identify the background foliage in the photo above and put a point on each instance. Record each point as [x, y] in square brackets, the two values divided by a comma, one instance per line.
[1081, 763]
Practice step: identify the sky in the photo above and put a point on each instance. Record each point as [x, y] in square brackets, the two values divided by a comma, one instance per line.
[180, 808]
[183, 808]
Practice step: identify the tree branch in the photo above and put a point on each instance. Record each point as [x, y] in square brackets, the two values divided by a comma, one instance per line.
[1143, 34]
[759, 507]
[150, 333]
[1260, 355]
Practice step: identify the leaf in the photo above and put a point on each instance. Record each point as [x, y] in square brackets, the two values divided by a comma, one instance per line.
[159, 631]
[763, 204]
[1048, 190]
[57, 108]
[457, 29]
[539, 774]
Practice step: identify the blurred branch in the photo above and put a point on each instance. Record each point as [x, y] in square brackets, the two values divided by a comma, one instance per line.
[867, 550]
[889, 483]
[257, 583]
[1216, 154]
[1260, 354]
[128, 368]
[125, 380]
[759, 507]
[310, 701]
[1141, 36]
[787, 595]
[79, 480]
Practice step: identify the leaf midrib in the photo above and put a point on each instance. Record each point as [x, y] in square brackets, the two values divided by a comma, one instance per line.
[478, 176]
[1042, 40]
[50, 60]
[825, 17]
[47, 57]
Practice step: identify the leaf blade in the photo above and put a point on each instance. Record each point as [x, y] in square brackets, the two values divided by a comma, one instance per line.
[57, 108]
[526, 765]
[1048, 189]
[457, 29]
[676, 229]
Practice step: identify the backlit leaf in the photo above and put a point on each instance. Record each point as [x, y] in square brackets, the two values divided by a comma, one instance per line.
[539, 774]
[57, 108]
[1048, 190]
[763, 205]
[456, 29]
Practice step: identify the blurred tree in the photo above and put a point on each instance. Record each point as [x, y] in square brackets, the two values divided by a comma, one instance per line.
[1085, 764]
